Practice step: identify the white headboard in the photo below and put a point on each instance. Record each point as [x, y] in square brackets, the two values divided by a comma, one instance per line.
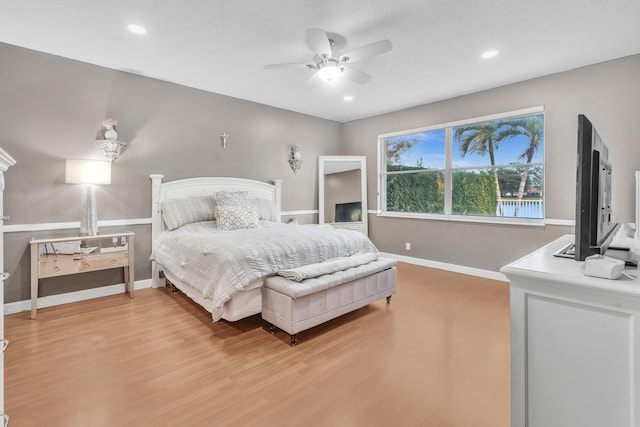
[203, 186]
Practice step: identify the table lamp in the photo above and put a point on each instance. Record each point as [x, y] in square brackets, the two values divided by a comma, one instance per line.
[89, 173]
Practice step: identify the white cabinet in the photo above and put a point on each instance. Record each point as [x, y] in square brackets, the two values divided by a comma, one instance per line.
[5, 161]
[575, 344]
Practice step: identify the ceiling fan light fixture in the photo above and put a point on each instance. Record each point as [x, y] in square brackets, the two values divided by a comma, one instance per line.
[330, 72]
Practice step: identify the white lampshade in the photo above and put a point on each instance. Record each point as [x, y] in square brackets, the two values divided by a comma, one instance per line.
[88, 172]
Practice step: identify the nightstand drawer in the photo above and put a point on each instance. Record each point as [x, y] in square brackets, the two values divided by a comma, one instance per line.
[79, 264]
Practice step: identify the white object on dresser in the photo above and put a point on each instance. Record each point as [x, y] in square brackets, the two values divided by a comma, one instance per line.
[575, 342]
[100, 252]
[5, 161]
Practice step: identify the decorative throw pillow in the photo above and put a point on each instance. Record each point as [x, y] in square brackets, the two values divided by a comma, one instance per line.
[237, 217]
[233, 198]
[266, 209]
[178, 212]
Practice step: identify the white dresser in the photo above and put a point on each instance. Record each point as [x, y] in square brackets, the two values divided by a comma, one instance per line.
[575, 344]
[5, 161]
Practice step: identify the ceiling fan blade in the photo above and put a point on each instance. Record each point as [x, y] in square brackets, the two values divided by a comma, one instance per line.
[319, 42]
[368, 51]
[356, 76]
[292, 65]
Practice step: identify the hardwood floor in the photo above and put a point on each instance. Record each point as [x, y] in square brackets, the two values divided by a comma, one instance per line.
[438, 356]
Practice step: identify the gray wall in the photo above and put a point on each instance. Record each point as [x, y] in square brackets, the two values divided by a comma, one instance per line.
[608, 93]
[51, 109]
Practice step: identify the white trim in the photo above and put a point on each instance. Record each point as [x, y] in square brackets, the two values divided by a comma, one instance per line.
[567, 222]
[15, 228]
[515, 113]
[69, 297]
[306, 212]
[5, 160]
[484, 220]
[487, 274]
[461, 218]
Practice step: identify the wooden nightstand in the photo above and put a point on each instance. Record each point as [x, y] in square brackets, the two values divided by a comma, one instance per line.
[59, 256]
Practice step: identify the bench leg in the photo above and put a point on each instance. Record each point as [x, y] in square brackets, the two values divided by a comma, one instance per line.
[389, 299]
[294, 340]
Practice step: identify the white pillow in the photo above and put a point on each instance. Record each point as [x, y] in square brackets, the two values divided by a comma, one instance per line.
[178, 212]
[266, 209]
[237, 217]
[233, 198]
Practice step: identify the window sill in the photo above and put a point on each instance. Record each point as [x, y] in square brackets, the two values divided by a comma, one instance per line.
[530, 222]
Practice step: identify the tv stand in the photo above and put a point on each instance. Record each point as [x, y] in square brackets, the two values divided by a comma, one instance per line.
[575, 342]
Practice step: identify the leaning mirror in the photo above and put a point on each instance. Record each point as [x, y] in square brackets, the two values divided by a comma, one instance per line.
[342, 192]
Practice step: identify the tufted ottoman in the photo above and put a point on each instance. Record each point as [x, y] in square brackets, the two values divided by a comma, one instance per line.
[297, 306]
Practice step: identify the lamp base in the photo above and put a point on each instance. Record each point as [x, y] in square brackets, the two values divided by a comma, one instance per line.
[89, 220]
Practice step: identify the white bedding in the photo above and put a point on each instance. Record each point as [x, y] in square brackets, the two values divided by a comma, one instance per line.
[221, 263]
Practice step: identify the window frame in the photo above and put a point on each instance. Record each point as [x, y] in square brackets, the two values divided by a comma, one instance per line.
[448, 172]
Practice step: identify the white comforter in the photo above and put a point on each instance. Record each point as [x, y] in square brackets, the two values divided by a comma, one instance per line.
[221, 263]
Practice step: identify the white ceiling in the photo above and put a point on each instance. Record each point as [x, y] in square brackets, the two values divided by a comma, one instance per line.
[221, 46]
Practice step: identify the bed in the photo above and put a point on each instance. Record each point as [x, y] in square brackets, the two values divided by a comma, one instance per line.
[222, 266]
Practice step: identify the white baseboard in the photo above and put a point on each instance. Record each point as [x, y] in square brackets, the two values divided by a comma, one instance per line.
[487, 274]
[66, 298]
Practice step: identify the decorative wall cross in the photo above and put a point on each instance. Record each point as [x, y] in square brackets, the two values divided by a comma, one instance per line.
[224, 137]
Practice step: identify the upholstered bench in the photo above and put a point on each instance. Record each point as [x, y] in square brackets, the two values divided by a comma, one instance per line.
[296, 306]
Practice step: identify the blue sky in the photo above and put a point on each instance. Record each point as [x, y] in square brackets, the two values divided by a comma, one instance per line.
[430, 148]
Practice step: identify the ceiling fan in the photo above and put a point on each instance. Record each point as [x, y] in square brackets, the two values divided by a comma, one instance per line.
[329, 67]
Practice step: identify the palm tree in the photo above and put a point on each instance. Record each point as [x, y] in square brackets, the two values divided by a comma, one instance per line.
[532, 128]
[480, 138]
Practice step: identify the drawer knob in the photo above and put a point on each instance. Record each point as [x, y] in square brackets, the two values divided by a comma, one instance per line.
[56, 268]
[4, 276]
[86, 264]
[113, 261]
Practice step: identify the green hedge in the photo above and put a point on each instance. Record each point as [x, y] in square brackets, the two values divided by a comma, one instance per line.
[423, 192]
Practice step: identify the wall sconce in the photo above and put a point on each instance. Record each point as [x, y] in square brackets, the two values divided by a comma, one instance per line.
[109, 142]
[295, 162]
[88, 172]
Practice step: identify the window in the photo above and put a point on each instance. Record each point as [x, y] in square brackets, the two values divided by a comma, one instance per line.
[487, 167]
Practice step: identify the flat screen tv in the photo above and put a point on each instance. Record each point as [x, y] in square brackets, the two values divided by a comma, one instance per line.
[594, 228]
[349, 212]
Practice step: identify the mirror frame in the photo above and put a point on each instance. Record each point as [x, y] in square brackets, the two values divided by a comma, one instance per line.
[322, 160]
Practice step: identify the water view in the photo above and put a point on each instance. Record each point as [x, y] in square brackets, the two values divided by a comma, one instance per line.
[528, 208]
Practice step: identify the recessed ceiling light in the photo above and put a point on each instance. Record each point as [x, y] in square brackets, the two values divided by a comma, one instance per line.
[489, 54]
[137, 29]
[348, 98]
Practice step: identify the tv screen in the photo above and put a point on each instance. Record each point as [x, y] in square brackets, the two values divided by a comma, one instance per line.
[349, 212]
[594, 228]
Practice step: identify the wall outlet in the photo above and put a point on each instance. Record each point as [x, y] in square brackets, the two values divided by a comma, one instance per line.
[407, 246]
